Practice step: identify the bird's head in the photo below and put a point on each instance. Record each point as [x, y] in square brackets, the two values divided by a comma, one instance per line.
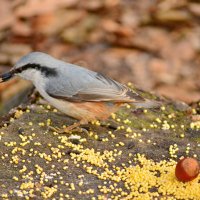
[31, 67]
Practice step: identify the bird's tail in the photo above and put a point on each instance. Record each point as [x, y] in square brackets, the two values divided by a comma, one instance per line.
[147, 104]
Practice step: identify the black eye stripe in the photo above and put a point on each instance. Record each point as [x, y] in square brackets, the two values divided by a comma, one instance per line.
[43, 69]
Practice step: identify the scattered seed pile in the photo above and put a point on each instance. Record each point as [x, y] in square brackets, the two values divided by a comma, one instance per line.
[131, 156]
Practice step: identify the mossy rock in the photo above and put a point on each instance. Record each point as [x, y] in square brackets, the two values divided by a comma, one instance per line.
[130, 156]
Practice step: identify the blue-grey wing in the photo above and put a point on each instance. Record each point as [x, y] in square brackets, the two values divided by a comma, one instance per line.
[78, 84]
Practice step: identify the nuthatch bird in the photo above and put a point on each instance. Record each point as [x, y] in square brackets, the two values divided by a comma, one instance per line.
[78, 92]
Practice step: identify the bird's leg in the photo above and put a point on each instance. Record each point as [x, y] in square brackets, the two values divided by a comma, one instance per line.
[73, 127]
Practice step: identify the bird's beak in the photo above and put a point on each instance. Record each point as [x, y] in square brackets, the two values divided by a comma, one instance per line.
[6, 76]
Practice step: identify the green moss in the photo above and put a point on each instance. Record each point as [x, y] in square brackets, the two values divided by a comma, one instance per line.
[118, 151]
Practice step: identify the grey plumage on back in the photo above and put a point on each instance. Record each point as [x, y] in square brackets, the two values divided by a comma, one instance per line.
[74, 83]
[79, 84]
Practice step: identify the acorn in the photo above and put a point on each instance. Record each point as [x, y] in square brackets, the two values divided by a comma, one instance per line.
[187, 169]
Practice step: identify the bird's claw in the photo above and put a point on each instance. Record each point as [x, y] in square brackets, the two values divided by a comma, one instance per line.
[56, 129]
[68, 129]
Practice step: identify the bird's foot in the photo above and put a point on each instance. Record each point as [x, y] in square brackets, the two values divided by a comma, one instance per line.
[77, 129]
[56, 129]
[72, 128]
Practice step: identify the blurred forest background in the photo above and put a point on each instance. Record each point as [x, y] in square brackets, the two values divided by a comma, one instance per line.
[153, 43]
